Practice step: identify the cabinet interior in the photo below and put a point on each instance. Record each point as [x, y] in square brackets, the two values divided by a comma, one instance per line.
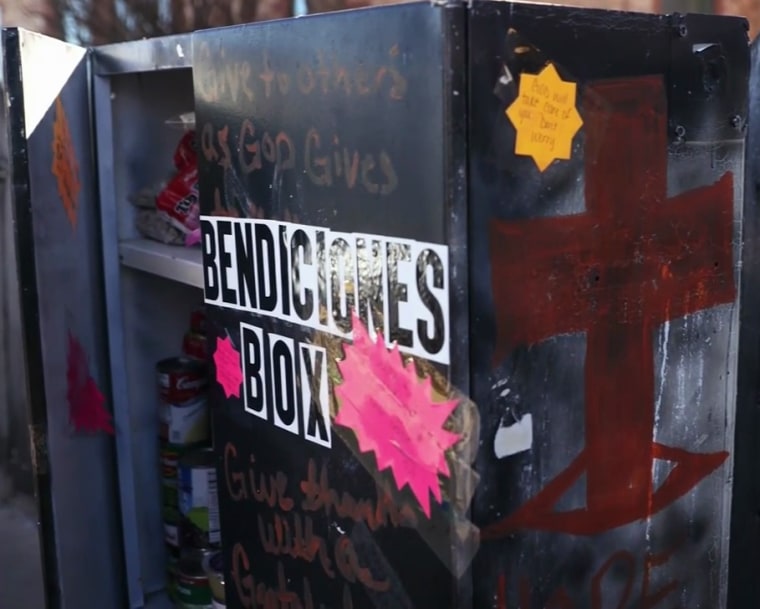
[156, 287]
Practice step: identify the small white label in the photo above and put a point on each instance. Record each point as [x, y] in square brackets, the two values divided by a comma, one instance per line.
[515, 438]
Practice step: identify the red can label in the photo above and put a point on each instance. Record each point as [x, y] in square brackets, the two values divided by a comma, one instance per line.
[181, 380]
[194, 345]
[198, 321]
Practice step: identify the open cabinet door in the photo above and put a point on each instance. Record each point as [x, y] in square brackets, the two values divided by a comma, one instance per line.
[55, 214]
[333, 179]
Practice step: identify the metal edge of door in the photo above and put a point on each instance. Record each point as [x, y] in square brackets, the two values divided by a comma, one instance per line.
[456, 158]
[744, 549]
[101, 117]
[27, 278]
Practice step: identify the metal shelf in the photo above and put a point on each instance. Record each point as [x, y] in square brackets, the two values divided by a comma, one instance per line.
[182, 264]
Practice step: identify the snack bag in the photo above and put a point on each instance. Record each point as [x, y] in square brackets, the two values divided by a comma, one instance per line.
[177, 202]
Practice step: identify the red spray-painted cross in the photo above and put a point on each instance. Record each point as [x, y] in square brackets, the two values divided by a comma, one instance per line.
[634, 260]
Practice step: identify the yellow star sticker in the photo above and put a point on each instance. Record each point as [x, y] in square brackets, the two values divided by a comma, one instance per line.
[545, 117]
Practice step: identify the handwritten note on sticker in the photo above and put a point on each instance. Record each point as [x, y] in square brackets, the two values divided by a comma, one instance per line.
[229, 374]
[65, 166]
[86, 402]
[392, 413]
[545, 117]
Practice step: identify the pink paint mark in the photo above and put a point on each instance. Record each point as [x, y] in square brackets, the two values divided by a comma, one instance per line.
[86, 410]
[228, 371]
[391, 411]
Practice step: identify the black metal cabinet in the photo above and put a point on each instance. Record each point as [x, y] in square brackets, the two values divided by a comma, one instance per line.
[582, 174]
[480, 287]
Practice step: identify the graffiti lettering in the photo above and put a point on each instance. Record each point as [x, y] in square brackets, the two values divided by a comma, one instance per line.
[244, 483]
[625, 568]
[252, 594]
[295, 537]
[263, 78]
[326, 160]
[318, 496]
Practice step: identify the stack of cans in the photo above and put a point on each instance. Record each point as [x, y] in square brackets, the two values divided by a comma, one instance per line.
[199, 533]
[215, 572]
[190, 505]
[184, 427]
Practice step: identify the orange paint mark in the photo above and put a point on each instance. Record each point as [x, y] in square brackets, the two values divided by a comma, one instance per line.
[65, 166]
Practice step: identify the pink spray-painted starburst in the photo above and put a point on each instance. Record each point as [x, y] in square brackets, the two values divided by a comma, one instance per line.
[392, 413]
[228, 371]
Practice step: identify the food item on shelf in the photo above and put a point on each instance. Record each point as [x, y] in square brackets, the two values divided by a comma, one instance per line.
[170, 212]
[177, 202]
[183, 425]
[214, 568]
[153, 226]
[188, 476]
[187, 423]
[181, 380]
[194, 342]
[198, 503]
[193, 589]
[146, 198]
[184, 410]
[194, 345]
[198, 321]
[170, 456]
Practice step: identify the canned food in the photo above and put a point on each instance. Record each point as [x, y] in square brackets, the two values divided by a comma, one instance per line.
[183, 407]
[198, 502]
[187, 424]
[181, 379]
[193, 590]
[198, 321]
[194, 345]
[214, 568]
[170, 456]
